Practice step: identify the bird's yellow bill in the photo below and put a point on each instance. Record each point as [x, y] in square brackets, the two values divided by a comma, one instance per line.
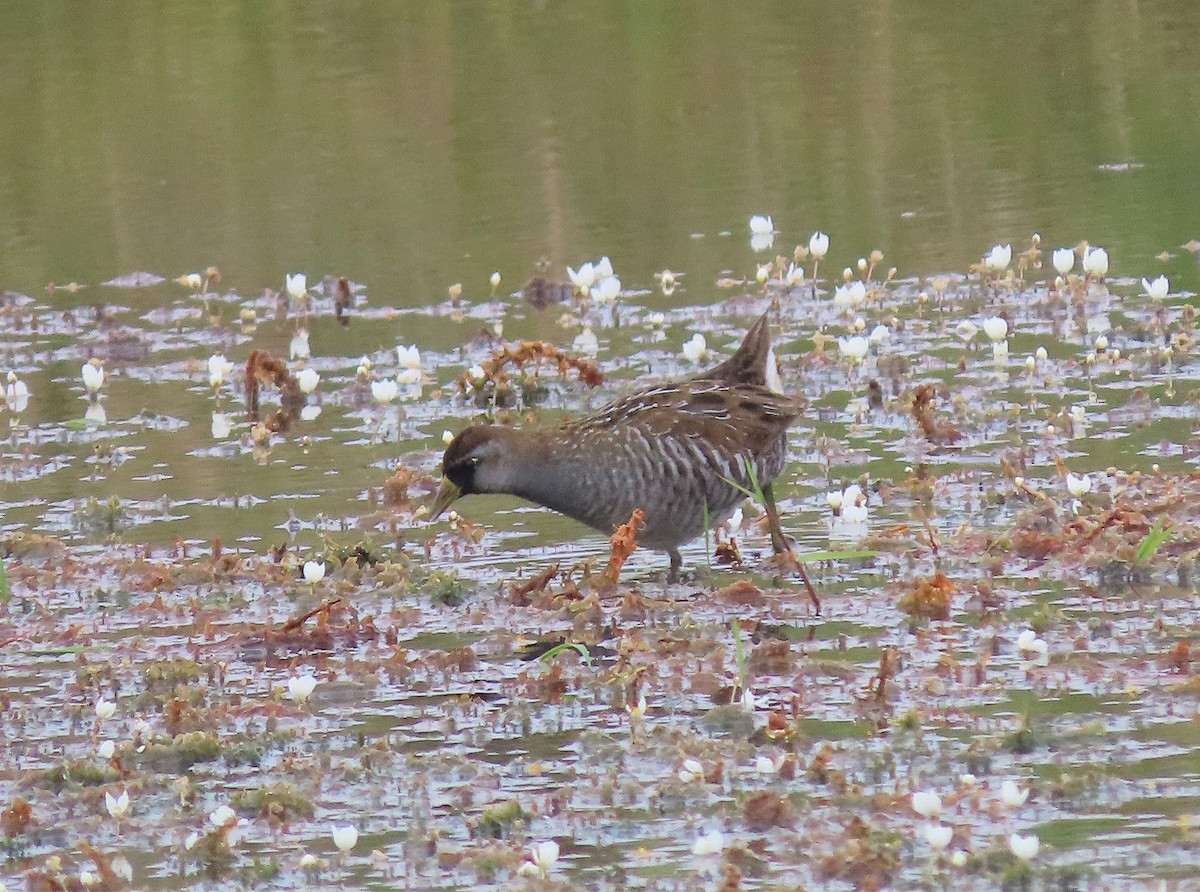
[446, 495]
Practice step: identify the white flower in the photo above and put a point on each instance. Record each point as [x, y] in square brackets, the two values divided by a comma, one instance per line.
[967, 780]
[850, 295]
[748, 700]
[927, 803]
[879, 334]
[938, 836]
[93, 376]
[310, 413]
[1029, 641]
[408, 357]
[1024, 847]
[998, 258]
[996, 328]
[87, 879]
[656, 320]
[447, 438]
[297, 285]
[695, 349]
[834, 500]
[476, 372]
[301, 686]
[118, 806]
[345, 838]
[544, 854]
[958, 859]
[604, 268]
[586, 342]
[408, 377]
[106, 749]
[314, 571]
[771, 373]
[495, 279]
[308, 379]
[16, 394]
[385, 391]
[96, 413]
[1064, 260]
[762, 241]
[105, 709]
[1012, 795]
[818, 244]
[608, 289]
[309, 861]
[710, 843]
[298, 348]
[637, 710]
[1041, 354]
[191, 280]
[692, 770]
[1078, 485]
[667, 279]
[794, 275]
[219, 368]
[765, 765]
[221, 426]
[1095, 262]
[1158, 289]
[854, 348]
[760, 225]
[735, 521]
[222, 817]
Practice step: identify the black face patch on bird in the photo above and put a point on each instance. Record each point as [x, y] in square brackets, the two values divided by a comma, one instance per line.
[463, 455]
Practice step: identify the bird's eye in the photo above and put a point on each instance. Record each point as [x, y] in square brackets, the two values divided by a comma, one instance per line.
[474, 462]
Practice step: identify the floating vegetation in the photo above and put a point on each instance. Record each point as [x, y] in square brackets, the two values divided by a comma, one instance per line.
[238, 653]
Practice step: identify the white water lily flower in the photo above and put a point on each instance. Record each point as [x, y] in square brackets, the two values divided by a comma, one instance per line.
[105, 709]
[1029, 642]
[191, 280]
[765, 765]
[762, 273]
[1041, 354]
[16, 394]
[607, 290]
[1158, 289]
[408, 377]
[834, 500]
[310, 413]
[297, 285]
[87, 879]
[1064, 260]
[96, 413]
[93, 376]
[1079, 485]
[408, 357]
[818, 244]
[691, 770]
[1024, 847]
[298, 348]
[345, 838]
[221, 426]
[222, 817]
[300, 687]
[696, 348]
[996, 328]
[656, 320]
[667, 280]
[385, 391]
[852, 294]
[854, 348]
[711, 843]
[938, 836]
[544, 855]
[879, 334]
[219, 369]
[314, 571]
[308, 379]
[1012, 795]
[106, 750]
[494, 279]
[794, 275]
[118, 806]
[1095, 262]
[998, 258]
[604, 268]
[760, 225]
[927, 803]
[585, 343]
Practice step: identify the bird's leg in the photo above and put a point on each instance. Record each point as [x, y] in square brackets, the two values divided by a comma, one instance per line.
[676, 563]
[780, 544]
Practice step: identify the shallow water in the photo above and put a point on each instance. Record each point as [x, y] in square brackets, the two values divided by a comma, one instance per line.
[413, 148]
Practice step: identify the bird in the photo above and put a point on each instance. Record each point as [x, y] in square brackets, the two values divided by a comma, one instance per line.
[685, 453]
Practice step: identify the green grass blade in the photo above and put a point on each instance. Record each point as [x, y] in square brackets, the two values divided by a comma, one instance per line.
[567, 645]
[1154, 539]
